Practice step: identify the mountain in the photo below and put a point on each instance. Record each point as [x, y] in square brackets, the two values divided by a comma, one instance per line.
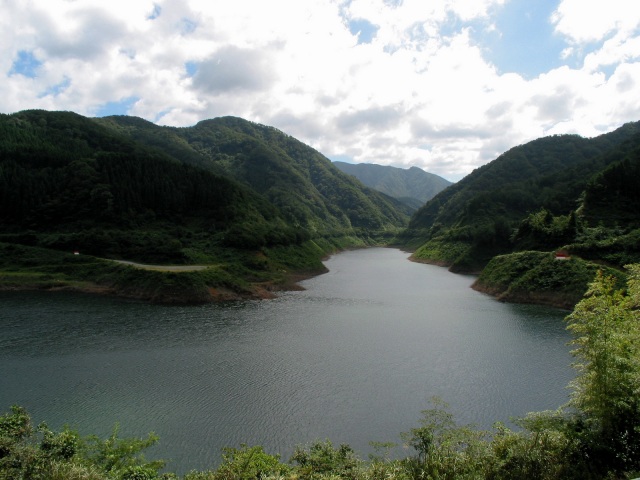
[244, 197]
[412, 186]
[467, 224]
[64, 174]
[612, 197]
[254, 205]
[303, 184]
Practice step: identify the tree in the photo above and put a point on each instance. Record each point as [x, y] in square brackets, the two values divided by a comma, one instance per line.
[322, 458]
[38, 453]
[606, 392]
[28, 452]
[445, 449]
[245, 463]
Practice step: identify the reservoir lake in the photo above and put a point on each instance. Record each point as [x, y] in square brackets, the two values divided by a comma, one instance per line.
[353, 358]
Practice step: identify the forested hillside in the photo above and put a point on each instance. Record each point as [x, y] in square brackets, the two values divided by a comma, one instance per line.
[412, 186]
[475, 219]
[303, 184]
[557, 193]
[62, 173]
[225, 192]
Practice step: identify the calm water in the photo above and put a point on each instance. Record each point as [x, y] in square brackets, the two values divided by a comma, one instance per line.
[354, 358]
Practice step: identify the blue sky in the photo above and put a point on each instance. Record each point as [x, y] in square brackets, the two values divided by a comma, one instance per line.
[443, 85]
[25, 64]
[523, 41]
[118, 107]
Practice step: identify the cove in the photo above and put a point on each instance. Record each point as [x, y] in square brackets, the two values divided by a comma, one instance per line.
[353, 358]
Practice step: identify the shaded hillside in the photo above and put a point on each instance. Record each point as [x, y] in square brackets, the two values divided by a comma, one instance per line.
[473, 220]
[66, 174]
[247, 201]
[413, 186]
[303, 184]
[612, 197]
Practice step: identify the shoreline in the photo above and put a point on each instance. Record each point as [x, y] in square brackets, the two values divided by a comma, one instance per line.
[444, 264]
[156, 292]
[214, 293]
[548, 299]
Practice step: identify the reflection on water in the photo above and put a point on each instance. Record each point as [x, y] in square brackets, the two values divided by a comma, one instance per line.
[353, 358]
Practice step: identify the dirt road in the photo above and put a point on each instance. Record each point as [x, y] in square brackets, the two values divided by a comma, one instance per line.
[164, 268]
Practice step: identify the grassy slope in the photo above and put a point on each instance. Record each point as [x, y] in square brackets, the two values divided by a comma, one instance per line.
[241, 275]
[537, 277]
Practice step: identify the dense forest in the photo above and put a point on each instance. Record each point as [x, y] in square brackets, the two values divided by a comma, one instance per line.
[308, 191]
[224, 192]
[556, 193]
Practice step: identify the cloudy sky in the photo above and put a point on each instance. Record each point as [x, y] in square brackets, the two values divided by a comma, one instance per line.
[446, 85]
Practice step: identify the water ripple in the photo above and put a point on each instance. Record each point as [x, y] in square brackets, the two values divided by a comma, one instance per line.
[353, 358]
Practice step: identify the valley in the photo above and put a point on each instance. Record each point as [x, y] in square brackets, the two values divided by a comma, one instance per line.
[261, 208]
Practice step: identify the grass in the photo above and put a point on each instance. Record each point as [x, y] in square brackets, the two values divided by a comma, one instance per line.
[238, 273]
[537, 277]
[439, 251]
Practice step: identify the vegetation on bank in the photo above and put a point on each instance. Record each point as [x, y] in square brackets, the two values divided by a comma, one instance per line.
[233, 275]
[540, 278]
[595, 436]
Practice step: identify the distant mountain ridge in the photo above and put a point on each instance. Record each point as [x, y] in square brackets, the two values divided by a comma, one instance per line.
[413, 186]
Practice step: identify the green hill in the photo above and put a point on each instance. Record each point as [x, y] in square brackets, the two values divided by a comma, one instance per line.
[412, 186]
[303, 184]
[66, 174]
[254, 205]
[479, 217]
[538, 277]
[224, 192]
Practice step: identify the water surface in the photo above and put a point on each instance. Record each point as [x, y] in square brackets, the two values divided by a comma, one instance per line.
[354, 358]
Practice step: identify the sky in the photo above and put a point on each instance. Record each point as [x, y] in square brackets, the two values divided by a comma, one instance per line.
[444, 85]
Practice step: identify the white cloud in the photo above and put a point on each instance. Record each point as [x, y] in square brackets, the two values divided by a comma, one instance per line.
[584, 21]
[419, 92]
[232, 69]
[618, 49]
